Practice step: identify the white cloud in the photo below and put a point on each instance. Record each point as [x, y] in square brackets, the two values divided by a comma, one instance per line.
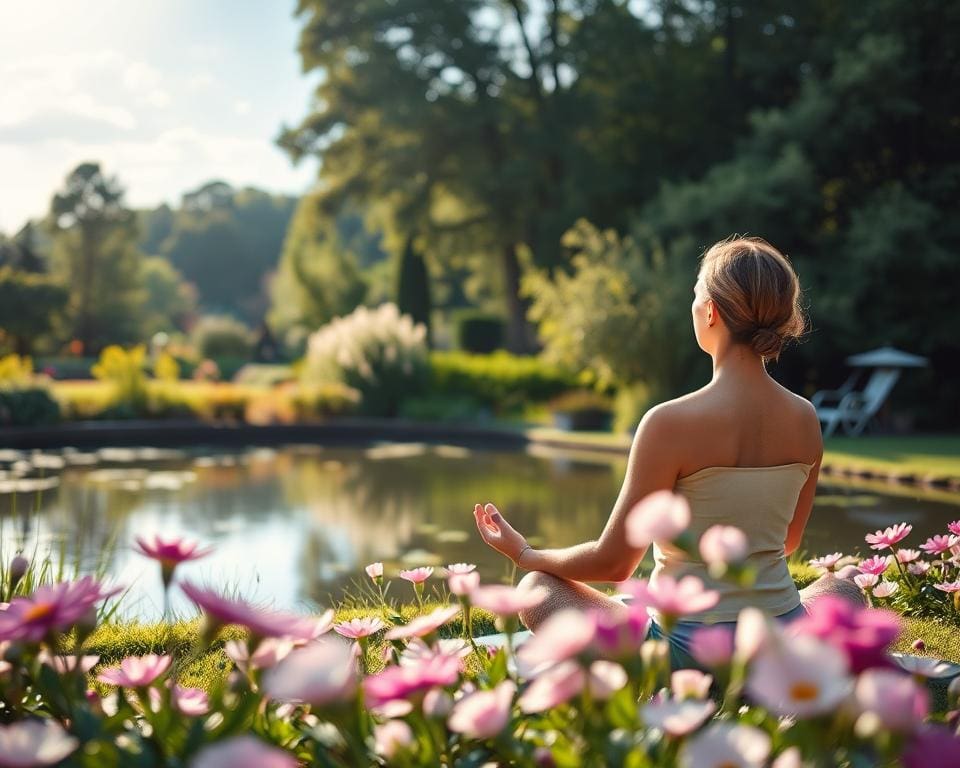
[242, 107]
[200, 81]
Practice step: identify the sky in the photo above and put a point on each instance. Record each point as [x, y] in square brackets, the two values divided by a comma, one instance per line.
[165, 94]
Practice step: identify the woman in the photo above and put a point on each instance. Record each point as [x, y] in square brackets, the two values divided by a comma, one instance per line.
[743, 450]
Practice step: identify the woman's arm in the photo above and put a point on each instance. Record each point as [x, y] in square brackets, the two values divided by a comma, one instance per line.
[805, 501]
[652, 466]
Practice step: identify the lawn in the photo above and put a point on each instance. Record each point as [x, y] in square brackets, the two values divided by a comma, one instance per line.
[919, 455]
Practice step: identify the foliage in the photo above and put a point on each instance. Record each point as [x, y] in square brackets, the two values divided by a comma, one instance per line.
[478, 332]
[312, 401]
[24, 400]
[220, 336]
[166, 367]
[379, 352]
[443, 408]
[30, 306]
[500, 380]
[621, 311]
[124, 370]
[413, 286]
[224, 241]
[170, 302]
[95, 254]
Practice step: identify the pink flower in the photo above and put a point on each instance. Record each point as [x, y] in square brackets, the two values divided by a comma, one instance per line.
[620, 635]
[875, 565]
[562, 636]
[417, 651]
[954, 527]
[136, 671]
[721, 545]
[319, 625]
[605, 678]
[724, 745]
[919, 568]
[358, 628]
[672, 597]
[461, 584]
[677, 718]
[170, 552]
[866, 581]
[30, 743]
[895, 698]
[827, 562]
[260, 622]
[423, 625]
[53, 608]
[437, 703]
[754, 631]
[461, 568]
[404, 681]
[243, 752]
[937, 544]
[712, 646]
[391, 737]
[949, 586]
[690, 684]
[191, 702]
[417, 575]
[864, 635]
[789, 758]
[801, 677]
[907, 555]
[933, 746]
[483, 714]
[507, 601]
[660, 516]
[374, 571]
[66, 663]
[885, 589]
[317, 674]
[889, 536]
[558, 684]
[270, 652]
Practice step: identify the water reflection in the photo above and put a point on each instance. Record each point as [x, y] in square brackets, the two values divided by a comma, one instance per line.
[293, 527]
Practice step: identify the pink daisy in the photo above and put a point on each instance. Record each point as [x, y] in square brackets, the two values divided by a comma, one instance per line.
[31, 743]
[506, 601]
[939, 543]
[136, 671]
[907, 555]
[260, 622]
[875, 565]
[461, 568]
[888, 537]
[954, 527]
[827, 562]
[417, 575]
[170, 552]
[53, 608]
[401, 682]
[948, 586]
[358, 628]
[423, 625]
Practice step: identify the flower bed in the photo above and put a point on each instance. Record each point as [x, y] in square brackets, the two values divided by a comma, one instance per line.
[383, 687]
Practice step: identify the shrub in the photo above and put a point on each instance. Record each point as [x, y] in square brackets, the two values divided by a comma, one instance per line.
[221, 336]
[378, 352]
[27, 407]
[124, 369]
[447, 408]
[501, 381]
[581, 409]
[324, 400]
[166, 367]
[478, 332]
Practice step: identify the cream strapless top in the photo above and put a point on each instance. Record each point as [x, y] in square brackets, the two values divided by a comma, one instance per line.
[760, 501]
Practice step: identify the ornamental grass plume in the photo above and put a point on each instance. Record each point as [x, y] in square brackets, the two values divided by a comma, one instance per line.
[51, 609]
[483, 714]
[31, 743]
[136, 671]
[660, 516]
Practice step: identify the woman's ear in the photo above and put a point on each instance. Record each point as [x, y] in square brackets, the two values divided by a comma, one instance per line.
[711, 311]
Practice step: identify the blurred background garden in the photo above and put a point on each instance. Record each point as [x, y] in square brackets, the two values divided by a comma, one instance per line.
[482, 212]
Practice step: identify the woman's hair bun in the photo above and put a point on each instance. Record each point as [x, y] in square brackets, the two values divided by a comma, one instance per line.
[766, 342]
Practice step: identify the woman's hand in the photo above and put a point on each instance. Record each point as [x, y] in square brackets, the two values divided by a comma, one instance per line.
[498, 533]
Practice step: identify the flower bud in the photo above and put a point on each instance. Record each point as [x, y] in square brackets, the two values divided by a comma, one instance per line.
[18, 569]
[919, 645]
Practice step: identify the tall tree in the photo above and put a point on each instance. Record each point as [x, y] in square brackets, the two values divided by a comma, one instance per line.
[95, 249]
[413, 285]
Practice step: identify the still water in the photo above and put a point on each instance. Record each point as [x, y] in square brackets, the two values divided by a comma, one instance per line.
[293, 527]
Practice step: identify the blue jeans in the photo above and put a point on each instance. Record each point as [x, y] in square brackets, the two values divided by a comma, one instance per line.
[679, 638]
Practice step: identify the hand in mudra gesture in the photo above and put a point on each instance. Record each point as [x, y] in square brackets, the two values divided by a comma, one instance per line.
[498, 533]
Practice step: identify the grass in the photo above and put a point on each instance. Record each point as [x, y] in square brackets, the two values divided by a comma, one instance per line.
[920, 455]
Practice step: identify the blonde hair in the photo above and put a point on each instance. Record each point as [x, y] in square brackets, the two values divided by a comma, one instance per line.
[756, 292]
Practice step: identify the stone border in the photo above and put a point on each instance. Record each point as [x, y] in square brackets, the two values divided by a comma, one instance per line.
[163, 433]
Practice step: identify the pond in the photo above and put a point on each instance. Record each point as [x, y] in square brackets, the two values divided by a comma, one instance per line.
[293, 527]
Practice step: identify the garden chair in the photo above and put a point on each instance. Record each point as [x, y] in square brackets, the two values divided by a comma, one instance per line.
[854, 409]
